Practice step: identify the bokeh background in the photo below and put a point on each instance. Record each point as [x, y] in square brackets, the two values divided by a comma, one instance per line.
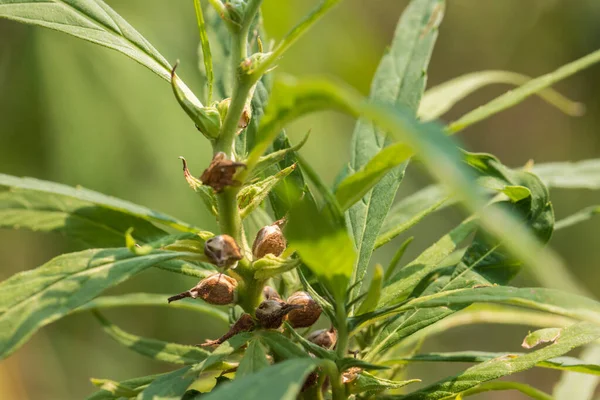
[83, 115]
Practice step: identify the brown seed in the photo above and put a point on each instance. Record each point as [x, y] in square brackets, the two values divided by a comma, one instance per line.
[269, 240]
[222, 250]
[270, 313]
[220, 172]
[305, 316]
[216, 289]
[325, 338]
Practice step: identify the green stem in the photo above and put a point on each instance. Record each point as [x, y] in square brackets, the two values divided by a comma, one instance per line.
[341, 347]
[338, 391]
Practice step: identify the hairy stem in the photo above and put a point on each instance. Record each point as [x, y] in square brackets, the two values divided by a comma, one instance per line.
[342, 331]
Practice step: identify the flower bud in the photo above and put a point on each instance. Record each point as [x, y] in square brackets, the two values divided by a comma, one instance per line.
[270, 313]
[218, 289]
[269, 240]
[305, 316]
[222, 250]
[325, 338]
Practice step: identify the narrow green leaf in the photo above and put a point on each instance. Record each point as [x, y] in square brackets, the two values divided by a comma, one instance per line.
[572, 337]
[205, 46]
[373, 292]
[110, 387]
[156, 349]
[94, 21]
[496, 386]
[400, 80]
[91, 217]
[152, 299]
[580, 216]
[395, 261]
[281, 381]
[516, 96]
[254, 360]
[560, 363]
[546, 335]
[574, 385]
[224, 350]
[440, 99]
[583, 174]
[251, 196]
[355, 186]
[32, 299]
[281, 346]
[370, 384]
[170, 386]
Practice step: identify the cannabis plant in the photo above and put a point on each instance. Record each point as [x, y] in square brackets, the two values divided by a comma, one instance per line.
[291, 250]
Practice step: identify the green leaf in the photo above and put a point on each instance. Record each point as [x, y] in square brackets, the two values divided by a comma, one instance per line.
[546, 335]
[560, 363]
[324, 246]
[521, 387]
[155, 349]
[254, 360]
[281, 346]
[224, 350]
[88, 216]
[170, 386]
[281, 381]
[205, 46]
[516, 96]
[110, 388]
[573, 385]
[399, 80]
[579, 216]
[573, 336]
[370, 384]
[32, 299]
[440, 99]
[355, 186]
[251, 196]
[583, 174]
[373, 292]
[94, 21]
[155, 300]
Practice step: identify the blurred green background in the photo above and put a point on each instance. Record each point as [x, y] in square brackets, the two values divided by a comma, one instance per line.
[79, 114]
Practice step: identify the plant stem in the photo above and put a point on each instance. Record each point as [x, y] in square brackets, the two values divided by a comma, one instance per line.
[338, 391]
[342, 330]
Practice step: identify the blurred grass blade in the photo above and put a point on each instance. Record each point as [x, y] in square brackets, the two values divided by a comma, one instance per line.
[156, 349]
[516, 96]
[154, 300]
[583, 174]
[573, 336]
[281, 381]
[32, 299]
[574, 385]
[440, 99]
[169, 386]
[91, 217]
[205, 45]
[400, 80]
[580, 216]
[354, 187]
[94, 21]
[527, 390]
[254, 360]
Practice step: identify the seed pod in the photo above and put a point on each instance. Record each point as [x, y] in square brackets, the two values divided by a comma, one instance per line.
[222, 250]
[218, 289]
[271, 294]
[325, 338]
[310, 380]
[269, 240]
[270, 313]
[305, 316]
[351, 374]
[244, 324]
[220, 172]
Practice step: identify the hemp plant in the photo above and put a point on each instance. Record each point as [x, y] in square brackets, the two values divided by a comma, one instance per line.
[312, 256]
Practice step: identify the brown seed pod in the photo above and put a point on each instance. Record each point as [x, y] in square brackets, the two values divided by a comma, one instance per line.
[244, 324]
[325, 338]
[270, 313]
[269, 240]
[220, 172]
[218, 289]
[271, 294]
[351, 374]
[310, 380]
[305, 316]
[222, 250]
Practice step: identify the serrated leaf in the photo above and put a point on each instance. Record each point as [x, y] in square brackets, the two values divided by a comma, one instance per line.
[281, 381]
[572, 337]
[439, 99]
[156, 349]
[152, 299]
[254, 360]
[516, 96]
[546, 335]
[32, 299]
[560, 363]
[94, 21]
[170, 386]
[399, 80]
[91, 217]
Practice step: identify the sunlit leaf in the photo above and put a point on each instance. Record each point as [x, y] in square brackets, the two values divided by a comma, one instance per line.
[170, 386]
[254, 360]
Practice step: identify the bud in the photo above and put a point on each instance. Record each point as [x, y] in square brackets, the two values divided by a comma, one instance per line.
[325, 338]
[220, 172]
[270, 313]
[222, 250]
[218, 289]
[305, 316]
[269, 240]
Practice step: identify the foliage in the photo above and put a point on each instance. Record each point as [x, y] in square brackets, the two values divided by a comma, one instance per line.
[329, 233]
